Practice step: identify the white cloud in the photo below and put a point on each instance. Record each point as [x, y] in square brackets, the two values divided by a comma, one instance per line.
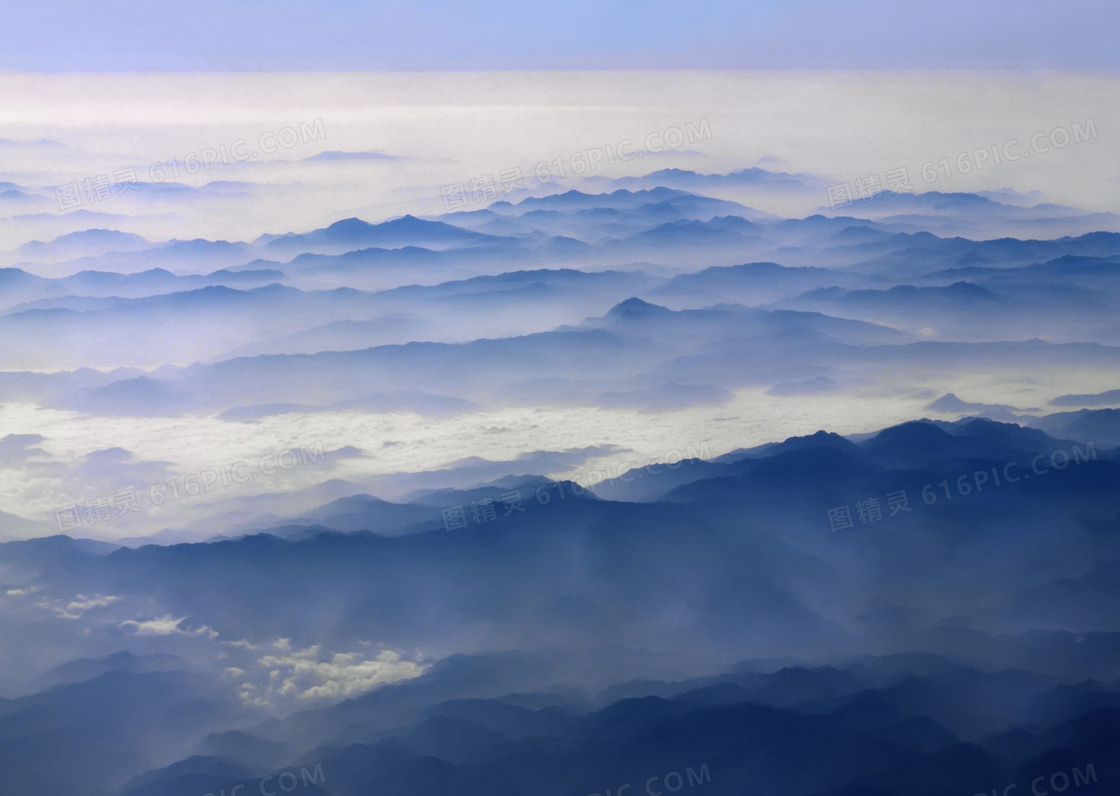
[302, 674]
[78, 605]
[167, 626]
[21, 592]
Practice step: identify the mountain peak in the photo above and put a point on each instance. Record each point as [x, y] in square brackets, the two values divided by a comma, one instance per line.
[350, 225]
[634, 307]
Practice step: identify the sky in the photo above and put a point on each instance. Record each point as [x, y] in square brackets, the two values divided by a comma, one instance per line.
[452, 35]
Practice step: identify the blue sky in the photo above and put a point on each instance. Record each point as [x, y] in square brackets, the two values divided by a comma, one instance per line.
[302, 35]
